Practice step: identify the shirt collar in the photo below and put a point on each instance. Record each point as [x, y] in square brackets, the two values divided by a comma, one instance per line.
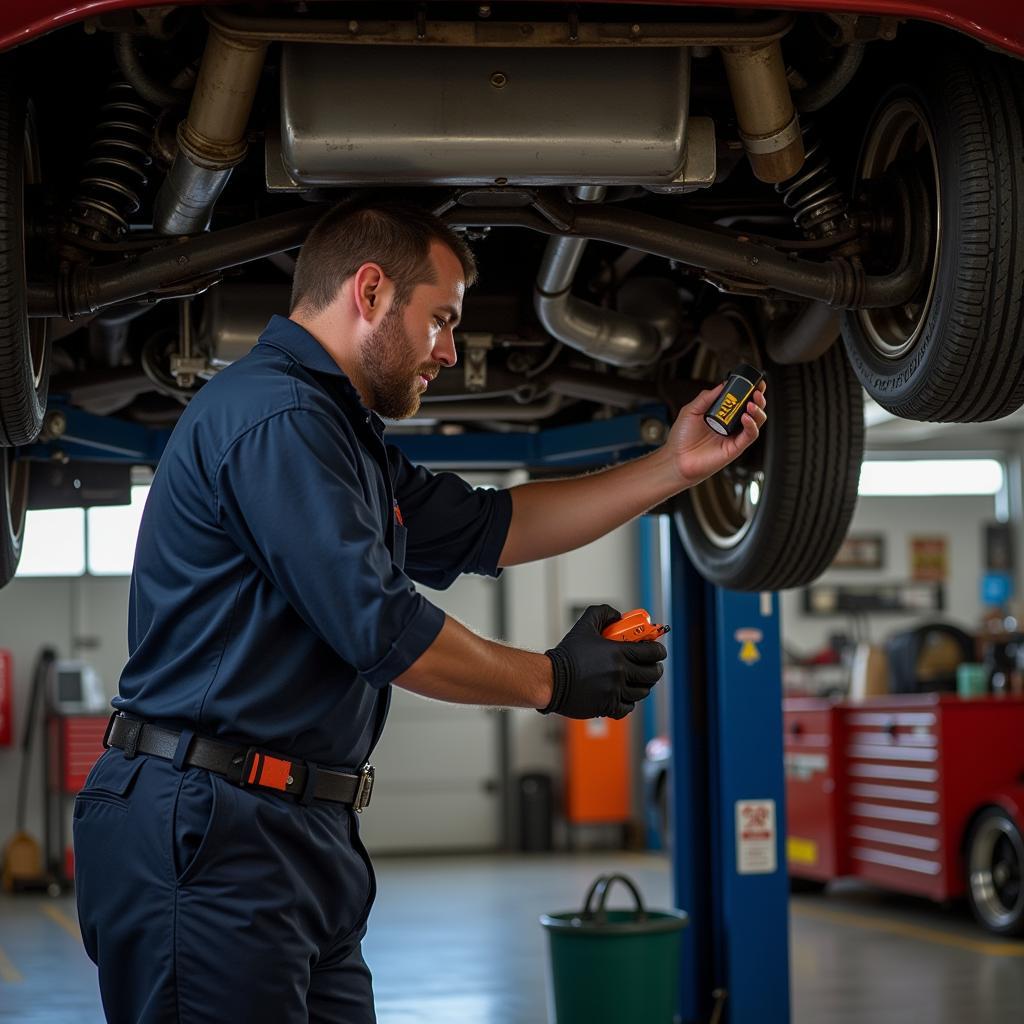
[293, 339]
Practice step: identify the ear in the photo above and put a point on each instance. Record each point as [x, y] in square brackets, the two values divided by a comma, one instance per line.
[371, 291]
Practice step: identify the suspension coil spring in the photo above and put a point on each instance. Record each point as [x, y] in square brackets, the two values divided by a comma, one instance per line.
[114, 178]
[818, 203]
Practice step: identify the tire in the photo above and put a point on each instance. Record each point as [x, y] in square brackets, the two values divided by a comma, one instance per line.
[806, 465]
[955, 352]
[24, 348]
[995, 872]
[13, 506]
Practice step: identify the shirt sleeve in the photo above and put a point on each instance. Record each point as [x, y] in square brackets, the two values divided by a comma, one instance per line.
[290, 494]
[452, 527]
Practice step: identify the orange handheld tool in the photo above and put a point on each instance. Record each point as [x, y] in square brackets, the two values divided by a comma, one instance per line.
[634, 625]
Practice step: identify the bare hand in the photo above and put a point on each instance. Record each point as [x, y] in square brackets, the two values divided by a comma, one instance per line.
[697, 450]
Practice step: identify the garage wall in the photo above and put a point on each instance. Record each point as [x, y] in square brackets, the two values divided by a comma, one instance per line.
[960, 519]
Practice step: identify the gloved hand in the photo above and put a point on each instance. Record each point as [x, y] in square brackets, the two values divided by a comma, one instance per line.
[599, 678]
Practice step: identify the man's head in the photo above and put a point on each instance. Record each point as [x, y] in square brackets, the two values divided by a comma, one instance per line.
[381, 288]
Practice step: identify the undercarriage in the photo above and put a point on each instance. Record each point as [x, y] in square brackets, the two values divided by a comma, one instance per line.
[651, 201]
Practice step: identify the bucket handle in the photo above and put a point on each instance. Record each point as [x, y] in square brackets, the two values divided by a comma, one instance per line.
[602, 884]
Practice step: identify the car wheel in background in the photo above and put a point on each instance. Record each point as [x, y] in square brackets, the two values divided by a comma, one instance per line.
[954, 116]
[995, 862]
[24, 348]
[13, 506]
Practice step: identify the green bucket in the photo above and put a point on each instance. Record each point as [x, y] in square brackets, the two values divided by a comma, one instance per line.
[613, 966]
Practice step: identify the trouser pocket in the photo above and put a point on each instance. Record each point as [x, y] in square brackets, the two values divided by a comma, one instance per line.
[101, 832]
[193, 822]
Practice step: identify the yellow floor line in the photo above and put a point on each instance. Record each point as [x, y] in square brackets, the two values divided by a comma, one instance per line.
[8, 972]
[68, 924]
[911, 931]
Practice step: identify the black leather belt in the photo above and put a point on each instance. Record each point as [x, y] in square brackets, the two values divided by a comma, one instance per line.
[244, 766]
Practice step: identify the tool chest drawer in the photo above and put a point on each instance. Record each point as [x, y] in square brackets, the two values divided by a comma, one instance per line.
[917, 770]
[894, 797]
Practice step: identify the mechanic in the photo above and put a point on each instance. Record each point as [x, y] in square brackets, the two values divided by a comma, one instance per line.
[219, 871]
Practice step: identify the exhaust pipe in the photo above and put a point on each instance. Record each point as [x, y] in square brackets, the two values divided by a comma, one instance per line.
[603, 334]
[211, 140]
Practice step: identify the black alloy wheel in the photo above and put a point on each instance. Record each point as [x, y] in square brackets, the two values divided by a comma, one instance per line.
[953, 115]
[995, 861]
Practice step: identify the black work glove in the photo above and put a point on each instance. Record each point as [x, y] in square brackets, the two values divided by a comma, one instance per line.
[599, 678]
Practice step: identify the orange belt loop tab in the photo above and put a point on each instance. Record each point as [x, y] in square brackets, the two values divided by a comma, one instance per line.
[271, 772]
[634, 625]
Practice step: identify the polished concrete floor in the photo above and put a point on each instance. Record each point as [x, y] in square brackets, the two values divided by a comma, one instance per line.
[456, 941]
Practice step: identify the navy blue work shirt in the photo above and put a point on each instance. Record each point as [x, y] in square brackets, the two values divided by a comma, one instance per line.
[272, 600]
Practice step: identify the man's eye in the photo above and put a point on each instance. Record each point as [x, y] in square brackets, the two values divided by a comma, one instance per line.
[441, 322]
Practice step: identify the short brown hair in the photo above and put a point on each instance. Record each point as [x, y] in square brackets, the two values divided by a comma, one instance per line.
[395, 235]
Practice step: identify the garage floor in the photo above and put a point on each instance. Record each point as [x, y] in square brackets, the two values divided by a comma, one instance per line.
[456, 940]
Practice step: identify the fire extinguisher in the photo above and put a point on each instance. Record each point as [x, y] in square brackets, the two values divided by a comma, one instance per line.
[6, 697]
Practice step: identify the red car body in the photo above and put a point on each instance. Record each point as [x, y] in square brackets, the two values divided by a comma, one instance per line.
[1000, 23]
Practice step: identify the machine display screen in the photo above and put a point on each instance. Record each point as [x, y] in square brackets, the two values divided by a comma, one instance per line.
[69, 687]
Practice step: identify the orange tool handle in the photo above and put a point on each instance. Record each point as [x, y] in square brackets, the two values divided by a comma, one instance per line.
[634, 625]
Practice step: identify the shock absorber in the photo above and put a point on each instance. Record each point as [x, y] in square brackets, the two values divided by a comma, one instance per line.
[114, 177]
[819, 207]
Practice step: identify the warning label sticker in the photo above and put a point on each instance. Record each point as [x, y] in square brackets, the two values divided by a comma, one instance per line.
[755, 837]
[748, 639]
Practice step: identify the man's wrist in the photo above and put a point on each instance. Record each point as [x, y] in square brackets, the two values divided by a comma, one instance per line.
[664, 466]
[556, 682]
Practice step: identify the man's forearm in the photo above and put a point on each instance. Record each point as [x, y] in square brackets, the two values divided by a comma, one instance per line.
[463, 668]
[550, 517]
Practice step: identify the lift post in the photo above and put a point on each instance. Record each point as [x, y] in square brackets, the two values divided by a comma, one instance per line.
[727, 795]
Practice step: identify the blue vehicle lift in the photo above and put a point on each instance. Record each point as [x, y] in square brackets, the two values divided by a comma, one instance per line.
[727, 787]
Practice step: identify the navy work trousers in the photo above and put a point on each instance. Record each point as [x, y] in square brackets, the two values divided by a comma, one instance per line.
[201, 901]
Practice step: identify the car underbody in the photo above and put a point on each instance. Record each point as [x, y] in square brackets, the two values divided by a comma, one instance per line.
[654, 194]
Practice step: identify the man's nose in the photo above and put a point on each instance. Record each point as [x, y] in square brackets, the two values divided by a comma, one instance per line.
[444, 350]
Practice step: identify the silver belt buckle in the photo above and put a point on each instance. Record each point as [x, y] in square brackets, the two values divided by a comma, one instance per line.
[365, 788]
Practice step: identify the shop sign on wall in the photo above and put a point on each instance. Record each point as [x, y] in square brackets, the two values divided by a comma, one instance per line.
[929, 559]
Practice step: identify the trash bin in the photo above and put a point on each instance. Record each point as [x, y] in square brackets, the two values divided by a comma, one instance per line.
[536, 813]
[611, 966]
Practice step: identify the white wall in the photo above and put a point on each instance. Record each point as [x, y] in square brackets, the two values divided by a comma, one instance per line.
[959, 519]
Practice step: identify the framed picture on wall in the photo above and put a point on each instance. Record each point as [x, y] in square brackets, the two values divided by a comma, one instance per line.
[861, 551]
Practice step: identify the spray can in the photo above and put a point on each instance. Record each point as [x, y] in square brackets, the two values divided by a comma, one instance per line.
[726, 415]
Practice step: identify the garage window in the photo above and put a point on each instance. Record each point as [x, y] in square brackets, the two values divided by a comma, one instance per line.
[926, 477]
[75, 542]
[54, 543]
[111, 534]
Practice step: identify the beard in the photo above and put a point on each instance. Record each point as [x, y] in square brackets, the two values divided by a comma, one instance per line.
[391, 373]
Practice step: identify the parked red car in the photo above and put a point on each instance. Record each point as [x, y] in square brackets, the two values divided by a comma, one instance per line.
[656, 193]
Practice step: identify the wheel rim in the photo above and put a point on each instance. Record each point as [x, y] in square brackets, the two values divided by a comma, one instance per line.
[995, 872]
[901, 133]
[17, 495]
[725, 504]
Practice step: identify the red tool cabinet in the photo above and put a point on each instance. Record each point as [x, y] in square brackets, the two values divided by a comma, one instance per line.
[886, 789]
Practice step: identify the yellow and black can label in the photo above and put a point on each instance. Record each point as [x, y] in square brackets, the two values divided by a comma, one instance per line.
[726, 415]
